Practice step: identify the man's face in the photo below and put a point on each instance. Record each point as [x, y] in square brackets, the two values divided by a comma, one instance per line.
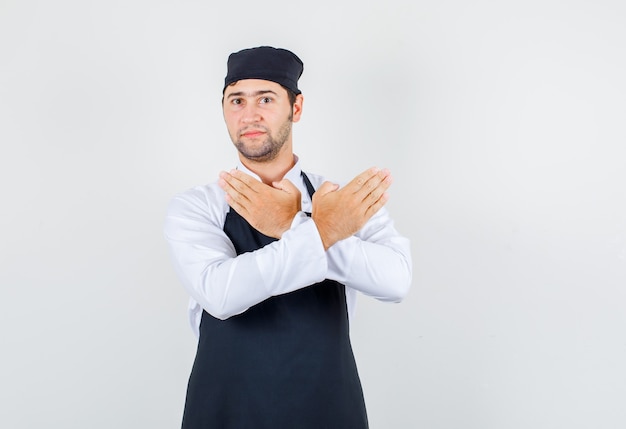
[259, 116]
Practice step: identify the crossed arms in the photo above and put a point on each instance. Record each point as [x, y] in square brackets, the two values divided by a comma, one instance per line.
[348, 238]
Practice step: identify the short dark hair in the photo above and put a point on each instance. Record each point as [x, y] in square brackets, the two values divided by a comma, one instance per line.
[291, 95]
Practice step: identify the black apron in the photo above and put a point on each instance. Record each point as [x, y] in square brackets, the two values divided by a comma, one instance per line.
[285, 363]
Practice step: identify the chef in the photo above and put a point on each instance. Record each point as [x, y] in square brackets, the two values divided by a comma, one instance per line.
[273, 258]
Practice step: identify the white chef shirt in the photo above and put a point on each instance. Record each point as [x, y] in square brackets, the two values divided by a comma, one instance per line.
[375, 261]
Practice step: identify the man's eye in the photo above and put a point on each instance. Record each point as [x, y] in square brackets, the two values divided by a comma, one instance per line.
[265, 100]
[236, 101]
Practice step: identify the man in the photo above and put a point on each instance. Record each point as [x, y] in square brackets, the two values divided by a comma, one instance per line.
[272, 258]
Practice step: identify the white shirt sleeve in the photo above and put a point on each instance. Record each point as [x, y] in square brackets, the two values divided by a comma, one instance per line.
[376, 261]
[223, 283]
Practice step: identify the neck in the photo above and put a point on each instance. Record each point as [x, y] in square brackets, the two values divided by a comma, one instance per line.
[273, 171]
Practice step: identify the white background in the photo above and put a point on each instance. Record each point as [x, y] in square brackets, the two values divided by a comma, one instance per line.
[502, 122]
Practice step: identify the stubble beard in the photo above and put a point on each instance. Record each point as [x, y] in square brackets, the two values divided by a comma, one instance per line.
[270, 148]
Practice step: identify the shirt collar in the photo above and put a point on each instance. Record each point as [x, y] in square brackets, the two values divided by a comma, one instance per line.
[293, 175]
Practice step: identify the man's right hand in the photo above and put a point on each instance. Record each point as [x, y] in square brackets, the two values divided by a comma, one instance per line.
[340, 213]
[268, 209]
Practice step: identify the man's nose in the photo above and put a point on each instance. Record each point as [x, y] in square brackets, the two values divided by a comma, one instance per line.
[251, 114]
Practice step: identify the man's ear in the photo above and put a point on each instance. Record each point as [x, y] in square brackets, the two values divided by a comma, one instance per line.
[297, 107]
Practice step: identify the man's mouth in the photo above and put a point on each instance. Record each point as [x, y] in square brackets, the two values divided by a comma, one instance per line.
[252, 133]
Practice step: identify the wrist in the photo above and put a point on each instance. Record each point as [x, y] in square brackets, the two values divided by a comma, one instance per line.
[324, 238]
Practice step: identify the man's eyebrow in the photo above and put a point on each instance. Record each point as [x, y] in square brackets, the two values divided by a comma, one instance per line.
[251, 94]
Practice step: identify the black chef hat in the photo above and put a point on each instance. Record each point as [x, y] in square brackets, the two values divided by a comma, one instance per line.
[267, 63]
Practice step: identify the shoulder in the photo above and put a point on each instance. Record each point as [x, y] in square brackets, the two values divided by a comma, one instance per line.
[206, 201]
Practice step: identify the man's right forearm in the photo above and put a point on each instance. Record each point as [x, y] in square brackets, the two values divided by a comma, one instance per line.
[225, 284]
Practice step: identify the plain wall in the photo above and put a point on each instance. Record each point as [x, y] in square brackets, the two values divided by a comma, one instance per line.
[502, 122]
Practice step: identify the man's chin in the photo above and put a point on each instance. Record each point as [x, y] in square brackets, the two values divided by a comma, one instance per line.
[258, 157]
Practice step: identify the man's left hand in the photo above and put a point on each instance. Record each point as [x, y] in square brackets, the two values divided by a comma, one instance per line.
[269, 209]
